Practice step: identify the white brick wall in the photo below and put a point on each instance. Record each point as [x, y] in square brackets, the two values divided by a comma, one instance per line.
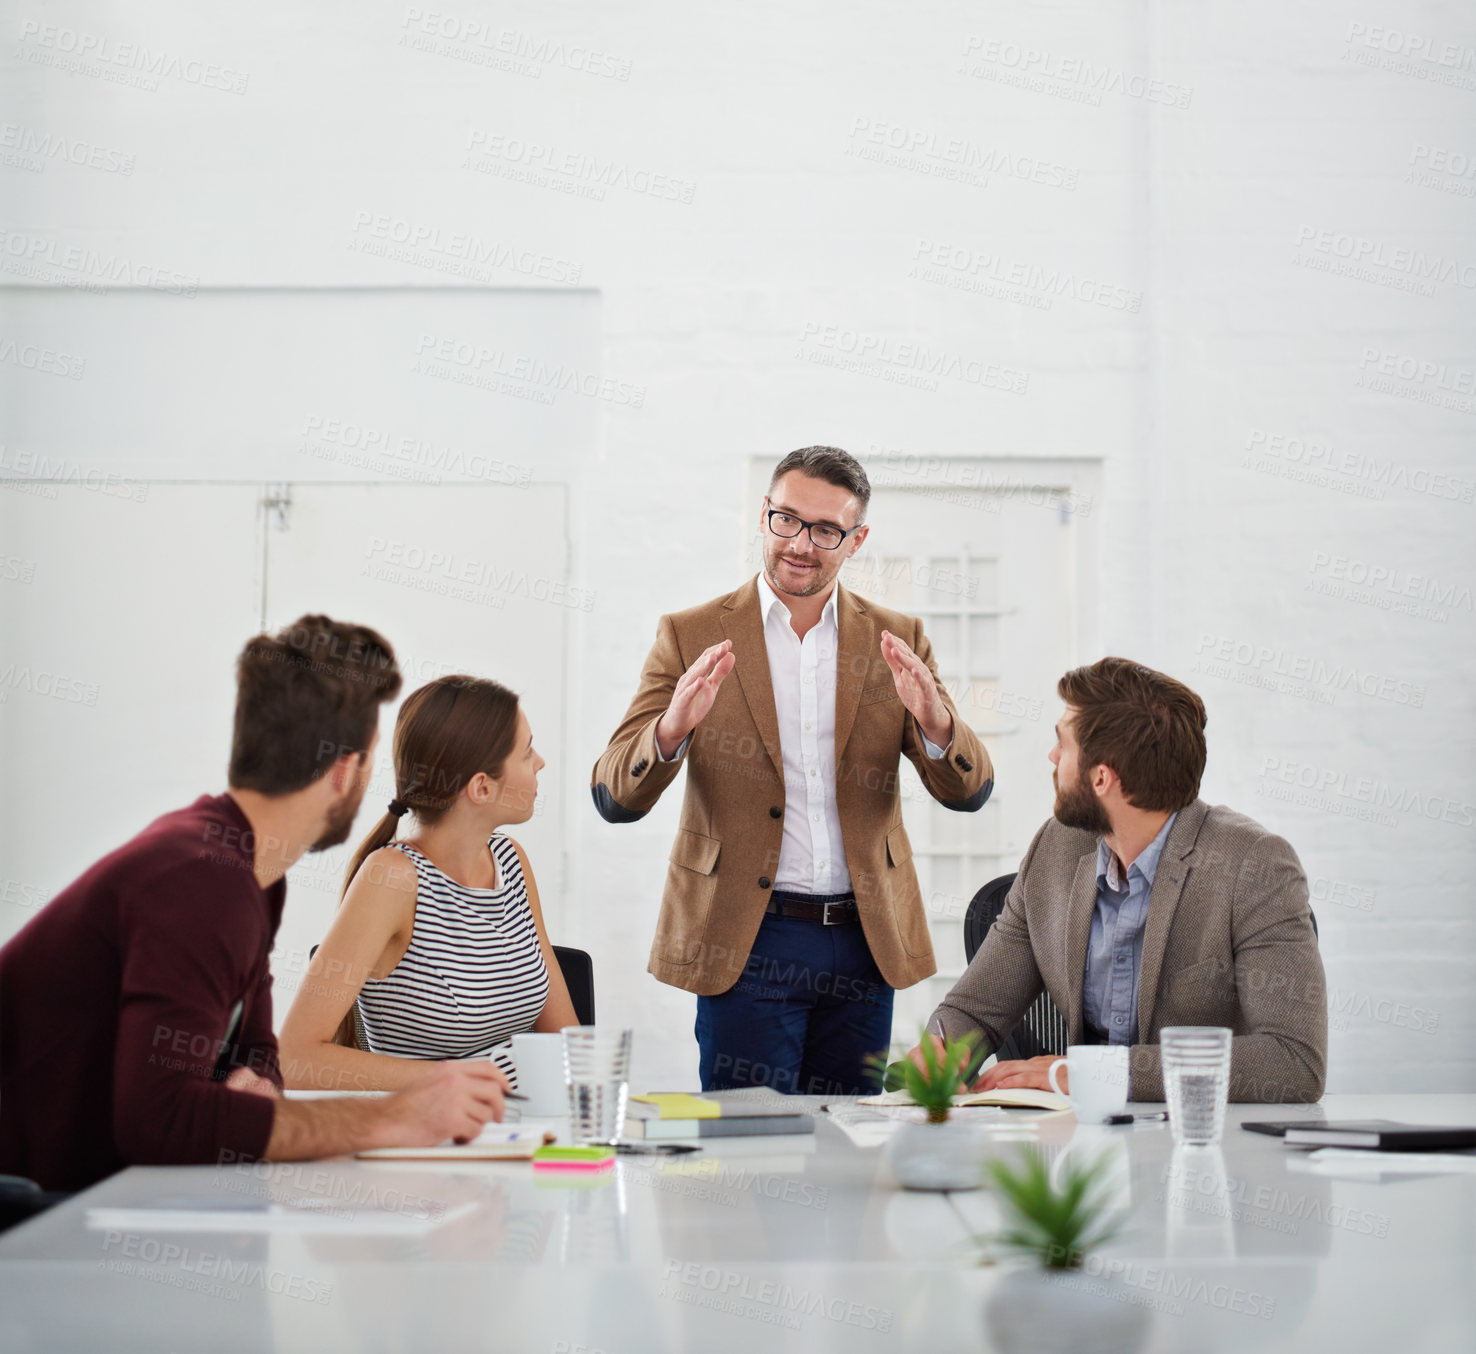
[1273, 140]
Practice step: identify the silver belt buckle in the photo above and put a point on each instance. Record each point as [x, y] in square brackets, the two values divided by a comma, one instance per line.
[825, 914]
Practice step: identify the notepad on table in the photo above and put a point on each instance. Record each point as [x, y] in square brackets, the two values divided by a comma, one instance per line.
[590, 1159]
[496, 1142]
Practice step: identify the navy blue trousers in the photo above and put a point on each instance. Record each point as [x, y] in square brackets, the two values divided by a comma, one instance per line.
[809, 1008]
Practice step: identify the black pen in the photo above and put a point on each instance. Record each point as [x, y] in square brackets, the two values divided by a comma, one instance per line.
[1160, 1116]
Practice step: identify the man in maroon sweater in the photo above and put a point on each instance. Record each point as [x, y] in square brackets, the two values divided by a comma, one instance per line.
[136, 1007]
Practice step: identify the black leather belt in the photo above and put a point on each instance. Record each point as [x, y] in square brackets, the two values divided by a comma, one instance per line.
[829, 909]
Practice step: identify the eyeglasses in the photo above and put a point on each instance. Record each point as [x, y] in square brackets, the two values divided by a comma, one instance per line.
[823, 536]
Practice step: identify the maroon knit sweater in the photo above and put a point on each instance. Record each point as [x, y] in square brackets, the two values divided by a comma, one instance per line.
[115, 1000]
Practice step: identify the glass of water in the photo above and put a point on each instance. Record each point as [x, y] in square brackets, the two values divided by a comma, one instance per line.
[597, 1072]
[1196, 1081]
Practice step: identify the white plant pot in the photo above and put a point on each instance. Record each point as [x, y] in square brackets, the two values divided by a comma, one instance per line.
[1040, 1311]
[949, 1155]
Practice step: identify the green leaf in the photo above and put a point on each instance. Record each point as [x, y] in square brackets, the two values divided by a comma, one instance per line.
[1058, 1225]
[933, 1085]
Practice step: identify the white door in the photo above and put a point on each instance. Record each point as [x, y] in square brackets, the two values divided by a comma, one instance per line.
[460, 579]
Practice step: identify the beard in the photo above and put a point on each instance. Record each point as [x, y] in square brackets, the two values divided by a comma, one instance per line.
[1076, 806]
[340, 822]
[819, 579]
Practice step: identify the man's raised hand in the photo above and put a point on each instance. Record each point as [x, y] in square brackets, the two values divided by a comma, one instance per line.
[695, 692]
[917, 690]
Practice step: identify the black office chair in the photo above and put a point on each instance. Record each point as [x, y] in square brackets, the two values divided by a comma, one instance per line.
[578, 970]
[1042, 1029]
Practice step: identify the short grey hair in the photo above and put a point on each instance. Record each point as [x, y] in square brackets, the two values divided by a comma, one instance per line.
[832, 465]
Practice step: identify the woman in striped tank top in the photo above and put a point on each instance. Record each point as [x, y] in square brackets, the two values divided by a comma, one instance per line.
[439, 939]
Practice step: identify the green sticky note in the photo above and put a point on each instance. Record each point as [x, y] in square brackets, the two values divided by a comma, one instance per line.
[554, 1152]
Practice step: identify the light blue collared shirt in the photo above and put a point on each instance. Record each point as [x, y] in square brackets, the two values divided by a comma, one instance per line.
[1115, 950]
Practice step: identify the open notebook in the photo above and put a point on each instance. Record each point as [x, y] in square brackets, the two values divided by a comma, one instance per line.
[1021, 1098]
[496, 1142]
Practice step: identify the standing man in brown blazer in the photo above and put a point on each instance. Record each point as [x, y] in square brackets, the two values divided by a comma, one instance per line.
[792, 908]
[1139, 906]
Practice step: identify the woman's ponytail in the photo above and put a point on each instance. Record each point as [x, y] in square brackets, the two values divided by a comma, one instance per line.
[383, 835]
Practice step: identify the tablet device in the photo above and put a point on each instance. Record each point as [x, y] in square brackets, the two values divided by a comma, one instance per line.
[1382, 1136]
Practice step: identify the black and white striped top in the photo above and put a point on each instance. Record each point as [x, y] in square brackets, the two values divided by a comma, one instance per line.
[473, 974]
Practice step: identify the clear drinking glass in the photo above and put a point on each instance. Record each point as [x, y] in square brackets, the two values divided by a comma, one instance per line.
[1196, 1081]
[597, 1073]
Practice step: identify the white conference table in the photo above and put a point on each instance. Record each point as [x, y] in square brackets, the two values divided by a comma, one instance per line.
[775, 1245]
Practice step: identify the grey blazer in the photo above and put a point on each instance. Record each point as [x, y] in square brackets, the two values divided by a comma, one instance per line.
[1229, 941]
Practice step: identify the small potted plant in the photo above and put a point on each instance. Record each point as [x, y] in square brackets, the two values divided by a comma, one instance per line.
[1056, 1218]
[939, 1153]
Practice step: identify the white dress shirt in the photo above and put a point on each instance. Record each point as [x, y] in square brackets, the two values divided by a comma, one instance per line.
[812, 856]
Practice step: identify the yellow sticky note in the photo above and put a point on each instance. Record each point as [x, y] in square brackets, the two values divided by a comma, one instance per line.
[680, 1105]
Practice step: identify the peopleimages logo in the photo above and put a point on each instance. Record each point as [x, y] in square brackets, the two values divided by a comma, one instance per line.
[1090, 79]
[447, 356]
[29, 148]
[452, 251]
[952, 157]
[1421, 379]
[1379, 796]
[1361, 249]
[1386, 587]
[91, 265]
[451, 575]
[1439, 167]
[481, 44]
[348, 442]
[906, 362]
[550, 167]
[46, 361]
[1414, 46]
[766, 1299]
[967, 269]
[1277, 662]
[97, 54]
[1315, 461]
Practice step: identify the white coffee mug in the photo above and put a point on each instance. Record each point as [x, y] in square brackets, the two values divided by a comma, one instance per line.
[539, 1059]
[1099, 1080]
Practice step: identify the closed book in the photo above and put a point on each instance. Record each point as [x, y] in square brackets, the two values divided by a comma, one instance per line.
[710, 1105]
[735, 1126]
[1382, 1136]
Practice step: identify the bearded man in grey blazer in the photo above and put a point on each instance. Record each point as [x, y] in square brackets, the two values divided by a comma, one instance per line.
[1138, 906]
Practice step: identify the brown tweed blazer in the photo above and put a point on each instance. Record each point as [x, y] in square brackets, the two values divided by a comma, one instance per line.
[727, 847]
[1229, 941]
